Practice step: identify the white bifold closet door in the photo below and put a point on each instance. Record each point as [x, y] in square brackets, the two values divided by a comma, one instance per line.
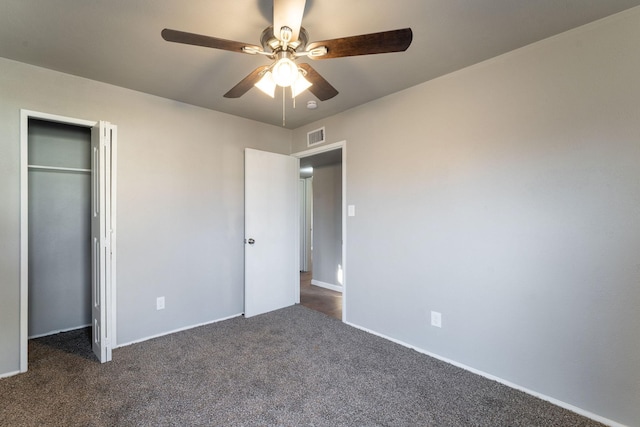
[102, 236]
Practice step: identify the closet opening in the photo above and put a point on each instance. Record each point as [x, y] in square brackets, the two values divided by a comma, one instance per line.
[59, 235]
[67, 237]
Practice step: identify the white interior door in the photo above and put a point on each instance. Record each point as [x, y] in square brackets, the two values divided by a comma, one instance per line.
[102, 138]
[271, 231]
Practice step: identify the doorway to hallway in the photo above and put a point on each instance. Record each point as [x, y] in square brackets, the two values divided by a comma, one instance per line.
[323, 229]
[319, 299]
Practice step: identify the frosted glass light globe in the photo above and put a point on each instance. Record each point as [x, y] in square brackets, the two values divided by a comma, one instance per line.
[285, 72]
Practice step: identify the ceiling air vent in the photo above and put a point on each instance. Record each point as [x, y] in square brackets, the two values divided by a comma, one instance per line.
[315, 137]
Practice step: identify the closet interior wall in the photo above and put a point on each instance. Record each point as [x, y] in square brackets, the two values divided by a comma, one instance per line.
[59, 227]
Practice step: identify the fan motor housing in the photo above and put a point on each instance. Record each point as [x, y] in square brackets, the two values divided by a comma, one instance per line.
[271, 43]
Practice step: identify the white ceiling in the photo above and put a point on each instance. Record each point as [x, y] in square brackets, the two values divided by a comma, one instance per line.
[118, 42]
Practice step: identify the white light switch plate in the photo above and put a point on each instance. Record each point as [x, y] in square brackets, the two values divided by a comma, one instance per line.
[351, 210]
[436, 319]
[160, 303]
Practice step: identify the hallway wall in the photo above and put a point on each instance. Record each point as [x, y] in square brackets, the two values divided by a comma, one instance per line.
[327, 225]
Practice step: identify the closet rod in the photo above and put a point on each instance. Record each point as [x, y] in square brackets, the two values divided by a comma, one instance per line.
[59, 169]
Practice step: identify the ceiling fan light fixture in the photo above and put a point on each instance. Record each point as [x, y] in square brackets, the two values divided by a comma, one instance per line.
[284, 71]
[267, 85]
[300, 85]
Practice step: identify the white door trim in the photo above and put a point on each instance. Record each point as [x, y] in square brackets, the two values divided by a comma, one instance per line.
[302, 206]
[25, 115]
[324, 148]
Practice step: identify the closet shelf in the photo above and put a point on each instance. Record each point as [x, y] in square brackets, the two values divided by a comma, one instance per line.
[58, 169]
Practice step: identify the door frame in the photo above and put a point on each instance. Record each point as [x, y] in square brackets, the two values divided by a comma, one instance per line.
[25, 115]
[341, 145]
[306, 208]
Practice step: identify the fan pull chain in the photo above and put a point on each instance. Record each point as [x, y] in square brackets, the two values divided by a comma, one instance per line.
[283, 106]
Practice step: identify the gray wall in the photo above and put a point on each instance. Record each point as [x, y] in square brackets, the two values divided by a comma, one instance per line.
[507, 197]
[180, 200]
[327, 223]
[59, 228]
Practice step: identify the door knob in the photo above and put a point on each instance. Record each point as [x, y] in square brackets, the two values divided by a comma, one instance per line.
[251, 241]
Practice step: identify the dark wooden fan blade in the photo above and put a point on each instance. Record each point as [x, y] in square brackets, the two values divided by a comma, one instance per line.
[288, 13]
[247, 83]
[366, 44]
[321, 88]
[205, 41]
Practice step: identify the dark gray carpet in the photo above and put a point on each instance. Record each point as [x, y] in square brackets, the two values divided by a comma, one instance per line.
[292, 367]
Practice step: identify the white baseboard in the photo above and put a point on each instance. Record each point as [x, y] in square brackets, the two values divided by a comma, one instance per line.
[326, 285]
[556, 402]
[9, 374]
[59, 331]
[176, 330]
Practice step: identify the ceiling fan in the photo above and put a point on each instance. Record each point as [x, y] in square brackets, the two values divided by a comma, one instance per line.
[286, 41]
